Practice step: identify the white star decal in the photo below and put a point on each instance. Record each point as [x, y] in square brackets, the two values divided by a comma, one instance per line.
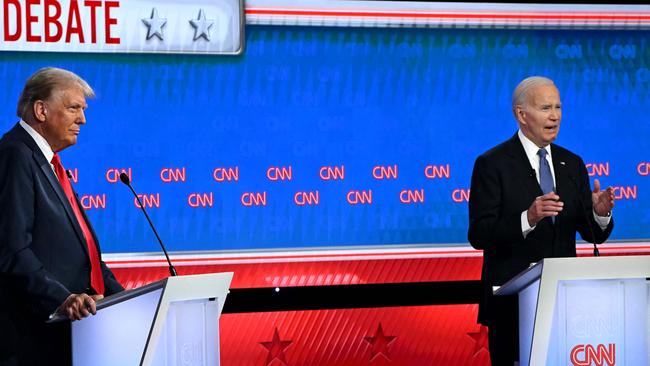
[155, 25]
[202, 26]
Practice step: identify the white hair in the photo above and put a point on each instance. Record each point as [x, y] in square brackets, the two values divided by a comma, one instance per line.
[522, 91]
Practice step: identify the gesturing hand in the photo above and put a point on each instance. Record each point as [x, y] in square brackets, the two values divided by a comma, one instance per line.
[544, 206]
[603, 201]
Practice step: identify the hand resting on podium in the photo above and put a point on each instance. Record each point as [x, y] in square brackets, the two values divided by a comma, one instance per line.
[79, 306]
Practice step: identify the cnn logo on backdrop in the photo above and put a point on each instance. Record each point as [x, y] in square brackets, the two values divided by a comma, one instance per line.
[588, 355]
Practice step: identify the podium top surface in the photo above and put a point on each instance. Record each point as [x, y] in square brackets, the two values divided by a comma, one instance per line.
[581, 268]
[129, 294]
[176, 288]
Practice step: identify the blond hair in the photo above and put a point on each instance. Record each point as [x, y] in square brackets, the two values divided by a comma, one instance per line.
[43, 83]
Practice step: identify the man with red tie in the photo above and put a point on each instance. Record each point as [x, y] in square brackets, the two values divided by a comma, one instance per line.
[50, 260]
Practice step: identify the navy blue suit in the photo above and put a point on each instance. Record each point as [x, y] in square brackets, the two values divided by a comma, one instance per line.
[43, 255]
[503, 186]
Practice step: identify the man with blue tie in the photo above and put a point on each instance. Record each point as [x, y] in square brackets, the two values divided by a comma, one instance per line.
[50, 260]
[528, 199]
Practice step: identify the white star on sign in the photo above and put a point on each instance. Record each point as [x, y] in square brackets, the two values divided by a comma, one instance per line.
[202, 26]
[155, 25]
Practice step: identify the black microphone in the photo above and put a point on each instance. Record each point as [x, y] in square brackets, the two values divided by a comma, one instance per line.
[583, 209]
[69, 174]
[125, 179]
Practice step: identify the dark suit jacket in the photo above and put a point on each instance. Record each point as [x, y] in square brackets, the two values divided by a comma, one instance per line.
[503, 186]
[43, 254]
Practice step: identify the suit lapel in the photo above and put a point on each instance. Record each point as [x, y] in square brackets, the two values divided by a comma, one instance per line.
[46, 168]
[562, 180]
[524, 171]
[56, 185]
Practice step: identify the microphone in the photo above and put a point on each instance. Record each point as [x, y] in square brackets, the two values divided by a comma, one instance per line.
[69, 174]
[125, 179]
[583, 209]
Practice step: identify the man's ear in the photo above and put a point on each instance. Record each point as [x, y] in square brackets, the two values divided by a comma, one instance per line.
[520, 113]
[40, 111]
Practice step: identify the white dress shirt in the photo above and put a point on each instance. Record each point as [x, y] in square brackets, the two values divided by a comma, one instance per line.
[531, 153]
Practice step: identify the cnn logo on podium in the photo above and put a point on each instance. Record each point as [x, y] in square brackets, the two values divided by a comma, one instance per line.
[587, 355]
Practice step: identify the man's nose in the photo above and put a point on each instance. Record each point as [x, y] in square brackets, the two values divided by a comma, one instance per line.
[82, 117]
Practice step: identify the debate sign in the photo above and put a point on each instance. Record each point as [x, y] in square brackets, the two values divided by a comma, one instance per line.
[194, 27]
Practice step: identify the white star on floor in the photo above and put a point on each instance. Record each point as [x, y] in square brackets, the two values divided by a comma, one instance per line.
[155, 25]
[202, 26]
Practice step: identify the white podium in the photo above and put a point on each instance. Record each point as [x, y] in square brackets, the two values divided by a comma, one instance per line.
[583, 311]
[174, 321]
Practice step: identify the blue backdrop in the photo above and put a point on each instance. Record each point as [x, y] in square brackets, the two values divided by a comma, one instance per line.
[309, 97]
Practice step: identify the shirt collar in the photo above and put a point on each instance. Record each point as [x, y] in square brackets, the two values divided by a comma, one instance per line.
[46, 149]
[531, 149]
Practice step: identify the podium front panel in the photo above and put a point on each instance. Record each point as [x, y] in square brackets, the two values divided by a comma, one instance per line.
[600, 321]
[190, 335]
[117, 334]
[595, 322]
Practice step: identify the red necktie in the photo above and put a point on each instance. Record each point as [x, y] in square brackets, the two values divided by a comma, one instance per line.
[96, 279]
